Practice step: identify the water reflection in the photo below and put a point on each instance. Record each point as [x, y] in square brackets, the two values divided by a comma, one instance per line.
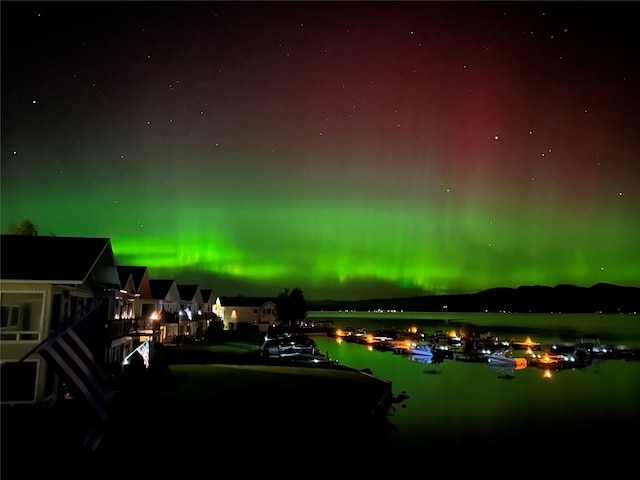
[422, 359]
[505, 373]
[464, 400]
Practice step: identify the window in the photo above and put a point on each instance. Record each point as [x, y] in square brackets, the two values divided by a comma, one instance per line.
[21, 311]
[11, 316]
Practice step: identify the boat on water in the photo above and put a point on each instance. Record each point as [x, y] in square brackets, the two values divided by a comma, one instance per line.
[428, 353]
[421, 350]
[314, 357]
[287, 344]
[589, 347]
[422, 353]
[297, 348]
[503, 358]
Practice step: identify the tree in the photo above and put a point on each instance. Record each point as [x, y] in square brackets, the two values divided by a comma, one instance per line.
[26, 227]
[291, 307]
[215, 329]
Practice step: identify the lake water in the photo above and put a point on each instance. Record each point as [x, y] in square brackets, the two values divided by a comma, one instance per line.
[454, 405]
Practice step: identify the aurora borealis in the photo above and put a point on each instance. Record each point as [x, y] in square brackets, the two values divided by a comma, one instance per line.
[351, 149]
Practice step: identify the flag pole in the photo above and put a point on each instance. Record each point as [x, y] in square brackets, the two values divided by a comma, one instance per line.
[65, 350]
[92, 306]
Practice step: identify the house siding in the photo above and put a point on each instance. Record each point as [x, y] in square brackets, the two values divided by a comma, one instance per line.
[18, 342]
[262, 314]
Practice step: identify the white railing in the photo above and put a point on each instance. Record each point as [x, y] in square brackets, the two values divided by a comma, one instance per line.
[20, 336]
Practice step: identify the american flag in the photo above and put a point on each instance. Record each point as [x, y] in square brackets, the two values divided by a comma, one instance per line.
[68, 351]
[143, 350]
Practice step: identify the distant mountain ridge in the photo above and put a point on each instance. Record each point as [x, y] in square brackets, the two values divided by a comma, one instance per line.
[602, 297]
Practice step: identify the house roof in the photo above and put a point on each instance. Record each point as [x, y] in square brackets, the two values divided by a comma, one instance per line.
[241, 301]
[136, 272]
[160, 288]
[207, 295]
[50, 259]
[187, 292]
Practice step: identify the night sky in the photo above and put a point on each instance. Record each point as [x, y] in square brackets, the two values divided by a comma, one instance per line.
[350, 149]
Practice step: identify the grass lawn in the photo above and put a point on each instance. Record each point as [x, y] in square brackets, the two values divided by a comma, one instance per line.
[199, 400]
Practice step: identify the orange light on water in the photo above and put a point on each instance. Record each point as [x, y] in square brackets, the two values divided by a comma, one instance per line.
[546, 374]
[413, 330]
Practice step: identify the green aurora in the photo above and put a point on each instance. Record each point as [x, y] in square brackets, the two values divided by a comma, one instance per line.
[352, 156]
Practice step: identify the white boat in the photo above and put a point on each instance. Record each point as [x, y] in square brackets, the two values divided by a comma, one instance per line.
[422, 359]
[421, 350]
[502, 358]
[306, 357]
[288, 345]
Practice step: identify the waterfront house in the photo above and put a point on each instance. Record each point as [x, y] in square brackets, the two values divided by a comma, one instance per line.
[165, 303]
[190, 311]
[135, 281]
[208, 305]
[208, 301]
[46, 282]
[259, 311]
[135, 291]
